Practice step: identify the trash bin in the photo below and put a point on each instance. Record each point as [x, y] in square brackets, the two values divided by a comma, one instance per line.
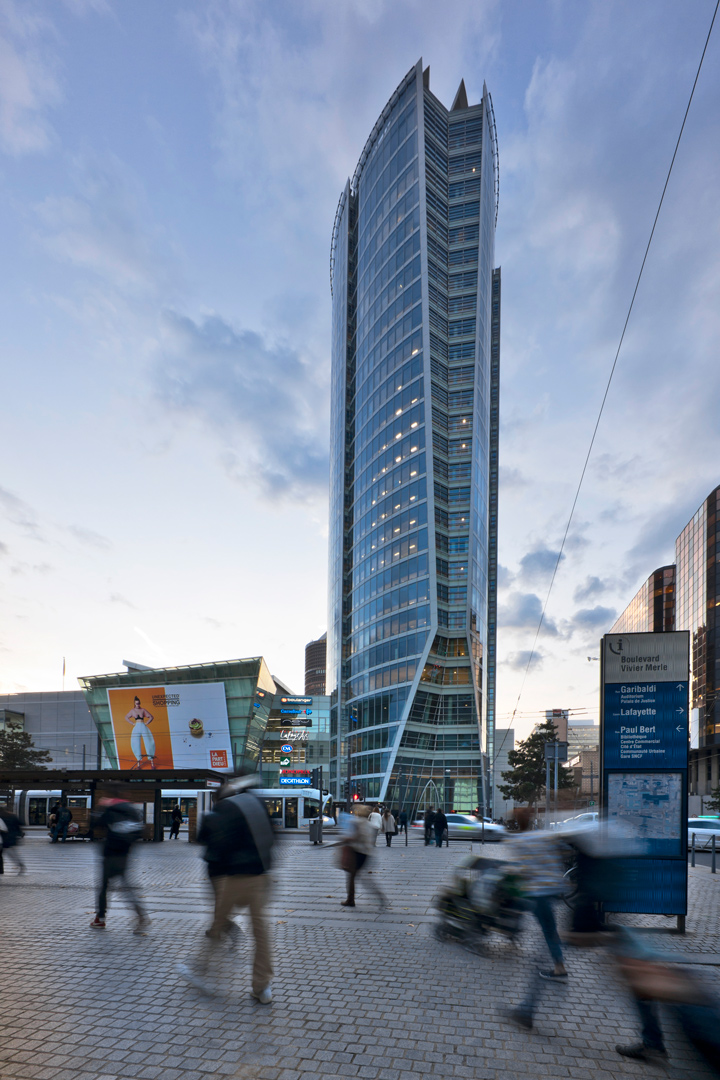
[314, 831]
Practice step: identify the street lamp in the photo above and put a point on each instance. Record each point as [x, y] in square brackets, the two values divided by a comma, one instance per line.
[352, 719]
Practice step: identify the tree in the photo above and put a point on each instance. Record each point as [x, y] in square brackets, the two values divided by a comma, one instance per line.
[713, 803]
[525, 780]
[17, 750]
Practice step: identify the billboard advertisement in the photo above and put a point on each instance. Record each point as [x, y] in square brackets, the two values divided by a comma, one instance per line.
[171, 727]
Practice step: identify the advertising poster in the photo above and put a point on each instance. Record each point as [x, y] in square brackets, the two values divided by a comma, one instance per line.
[171, 727]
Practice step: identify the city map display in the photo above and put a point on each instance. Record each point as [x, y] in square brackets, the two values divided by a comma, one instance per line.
[650, 804]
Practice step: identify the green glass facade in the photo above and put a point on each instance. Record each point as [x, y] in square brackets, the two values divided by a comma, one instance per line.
[249, 695]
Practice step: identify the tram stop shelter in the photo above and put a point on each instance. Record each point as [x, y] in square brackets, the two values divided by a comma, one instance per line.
[143, 787]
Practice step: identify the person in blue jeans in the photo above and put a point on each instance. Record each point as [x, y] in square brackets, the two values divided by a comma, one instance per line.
[63, 819]
[540, 866]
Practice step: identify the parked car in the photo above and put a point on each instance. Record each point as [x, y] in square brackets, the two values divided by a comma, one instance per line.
[469, 827]
[590, 817]
[704, 829]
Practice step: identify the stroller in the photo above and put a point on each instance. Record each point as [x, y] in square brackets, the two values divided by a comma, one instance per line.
[485, 894]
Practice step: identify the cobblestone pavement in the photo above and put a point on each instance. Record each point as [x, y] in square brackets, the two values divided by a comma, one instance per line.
[357, 993]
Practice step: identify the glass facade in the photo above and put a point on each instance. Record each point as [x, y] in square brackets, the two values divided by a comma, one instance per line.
[652, 608]
[247, 710]
[413, 489]
[306, 730]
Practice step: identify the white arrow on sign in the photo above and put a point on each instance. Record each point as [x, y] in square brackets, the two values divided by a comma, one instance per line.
[680, 727]
[680, 710]
[679, 686]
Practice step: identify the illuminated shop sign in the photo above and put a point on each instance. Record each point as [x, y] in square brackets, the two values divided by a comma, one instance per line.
[295, 778]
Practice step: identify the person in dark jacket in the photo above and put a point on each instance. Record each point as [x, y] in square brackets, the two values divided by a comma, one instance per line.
[440, 824]
[123, 826]
[175, 822]
[10, 836]
[239, 840]
[402, 821]
[63, 817]
[429, 822]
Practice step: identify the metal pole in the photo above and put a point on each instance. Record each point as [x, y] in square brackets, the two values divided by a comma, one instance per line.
[692, 857]
[83, 757]
[712, 864]
[547, 792]
[555, 800]
[320, 823]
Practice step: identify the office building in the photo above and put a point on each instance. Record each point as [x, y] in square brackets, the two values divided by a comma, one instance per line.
[696, 585]
[652, 608]
[315, 662]
[582, 735]
[414, 428]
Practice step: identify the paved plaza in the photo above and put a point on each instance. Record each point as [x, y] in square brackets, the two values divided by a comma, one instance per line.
[357, 993]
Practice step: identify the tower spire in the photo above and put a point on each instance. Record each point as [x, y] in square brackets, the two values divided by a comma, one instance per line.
[461, 101]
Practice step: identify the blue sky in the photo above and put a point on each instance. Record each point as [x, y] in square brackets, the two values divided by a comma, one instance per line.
[168, 179]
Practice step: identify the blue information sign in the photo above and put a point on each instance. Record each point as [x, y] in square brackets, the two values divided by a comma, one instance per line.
[646, 725]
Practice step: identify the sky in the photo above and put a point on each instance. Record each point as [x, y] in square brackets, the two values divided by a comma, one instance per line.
[169, 174]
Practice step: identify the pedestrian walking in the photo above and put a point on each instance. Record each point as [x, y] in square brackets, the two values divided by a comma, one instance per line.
[239, 840]
[429, 823]
[123, 825]
[440, 825]
[175, 823]
[403, 823]
[63, 817]
[539, 864]
[375, 821]
[355, 853]
[387, 826]
[10, 836]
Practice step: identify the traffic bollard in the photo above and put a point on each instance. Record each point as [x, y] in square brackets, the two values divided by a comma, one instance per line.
[712, 864]
[692, 858]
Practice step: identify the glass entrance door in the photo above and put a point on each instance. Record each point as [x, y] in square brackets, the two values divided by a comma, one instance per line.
[291, 813]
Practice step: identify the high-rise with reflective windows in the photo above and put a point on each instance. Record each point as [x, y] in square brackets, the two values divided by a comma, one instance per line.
[414, 455]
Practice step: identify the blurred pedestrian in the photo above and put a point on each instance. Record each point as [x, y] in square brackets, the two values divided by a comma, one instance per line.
[375, 820]
[63, 817]
[355, 855]
[429, 823]
[652, 980]
[387, 826]
[403, 823]
[123, 825]
[10, 836]
[175, 822]
[440, 825]
[539, 864]
[239, 840]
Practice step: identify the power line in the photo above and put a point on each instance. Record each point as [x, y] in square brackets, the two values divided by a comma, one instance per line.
[612, 372]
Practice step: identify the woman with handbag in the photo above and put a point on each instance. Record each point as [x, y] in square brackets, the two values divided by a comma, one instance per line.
[387, 826]
[355, 852]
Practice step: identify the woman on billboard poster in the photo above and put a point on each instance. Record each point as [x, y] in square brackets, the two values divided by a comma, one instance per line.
[141, 740]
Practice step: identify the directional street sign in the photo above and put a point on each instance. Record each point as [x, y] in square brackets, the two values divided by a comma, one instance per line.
[646, 725]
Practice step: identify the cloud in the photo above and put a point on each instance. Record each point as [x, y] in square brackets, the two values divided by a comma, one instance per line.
[505, 577]
[29, 85]
[4, 549]
[106, 227]
[259, 397]
[519, 661]
[594, 618]
[522, 611]
[538, 565]
[89, 537]
[116, 598]
[19, 513]
[511, 478]
[592, 586]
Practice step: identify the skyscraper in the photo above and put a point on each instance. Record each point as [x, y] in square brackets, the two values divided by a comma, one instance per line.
[414, 429]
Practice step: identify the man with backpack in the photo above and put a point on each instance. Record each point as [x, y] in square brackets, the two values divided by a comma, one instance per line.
[63, 817]
[123, 825]
[239, 840]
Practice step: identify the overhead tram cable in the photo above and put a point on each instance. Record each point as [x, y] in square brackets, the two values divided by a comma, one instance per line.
[610, 378]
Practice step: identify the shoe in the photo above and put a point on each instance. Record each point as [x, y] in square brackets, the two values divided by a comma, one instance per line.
[519, 1018]
[98, 923]
[195, 980]
[141, 925]
[347, 903]
[553, 976]
[264, 996]
[233, 934]
[640, 1052]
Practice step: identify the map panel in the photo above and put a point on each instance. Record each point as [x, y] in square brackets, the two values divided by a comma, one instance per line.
[650, 804]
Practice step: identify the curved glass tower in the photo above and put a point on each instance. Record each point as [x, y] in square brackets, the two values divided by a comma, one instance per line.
[413, 485]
